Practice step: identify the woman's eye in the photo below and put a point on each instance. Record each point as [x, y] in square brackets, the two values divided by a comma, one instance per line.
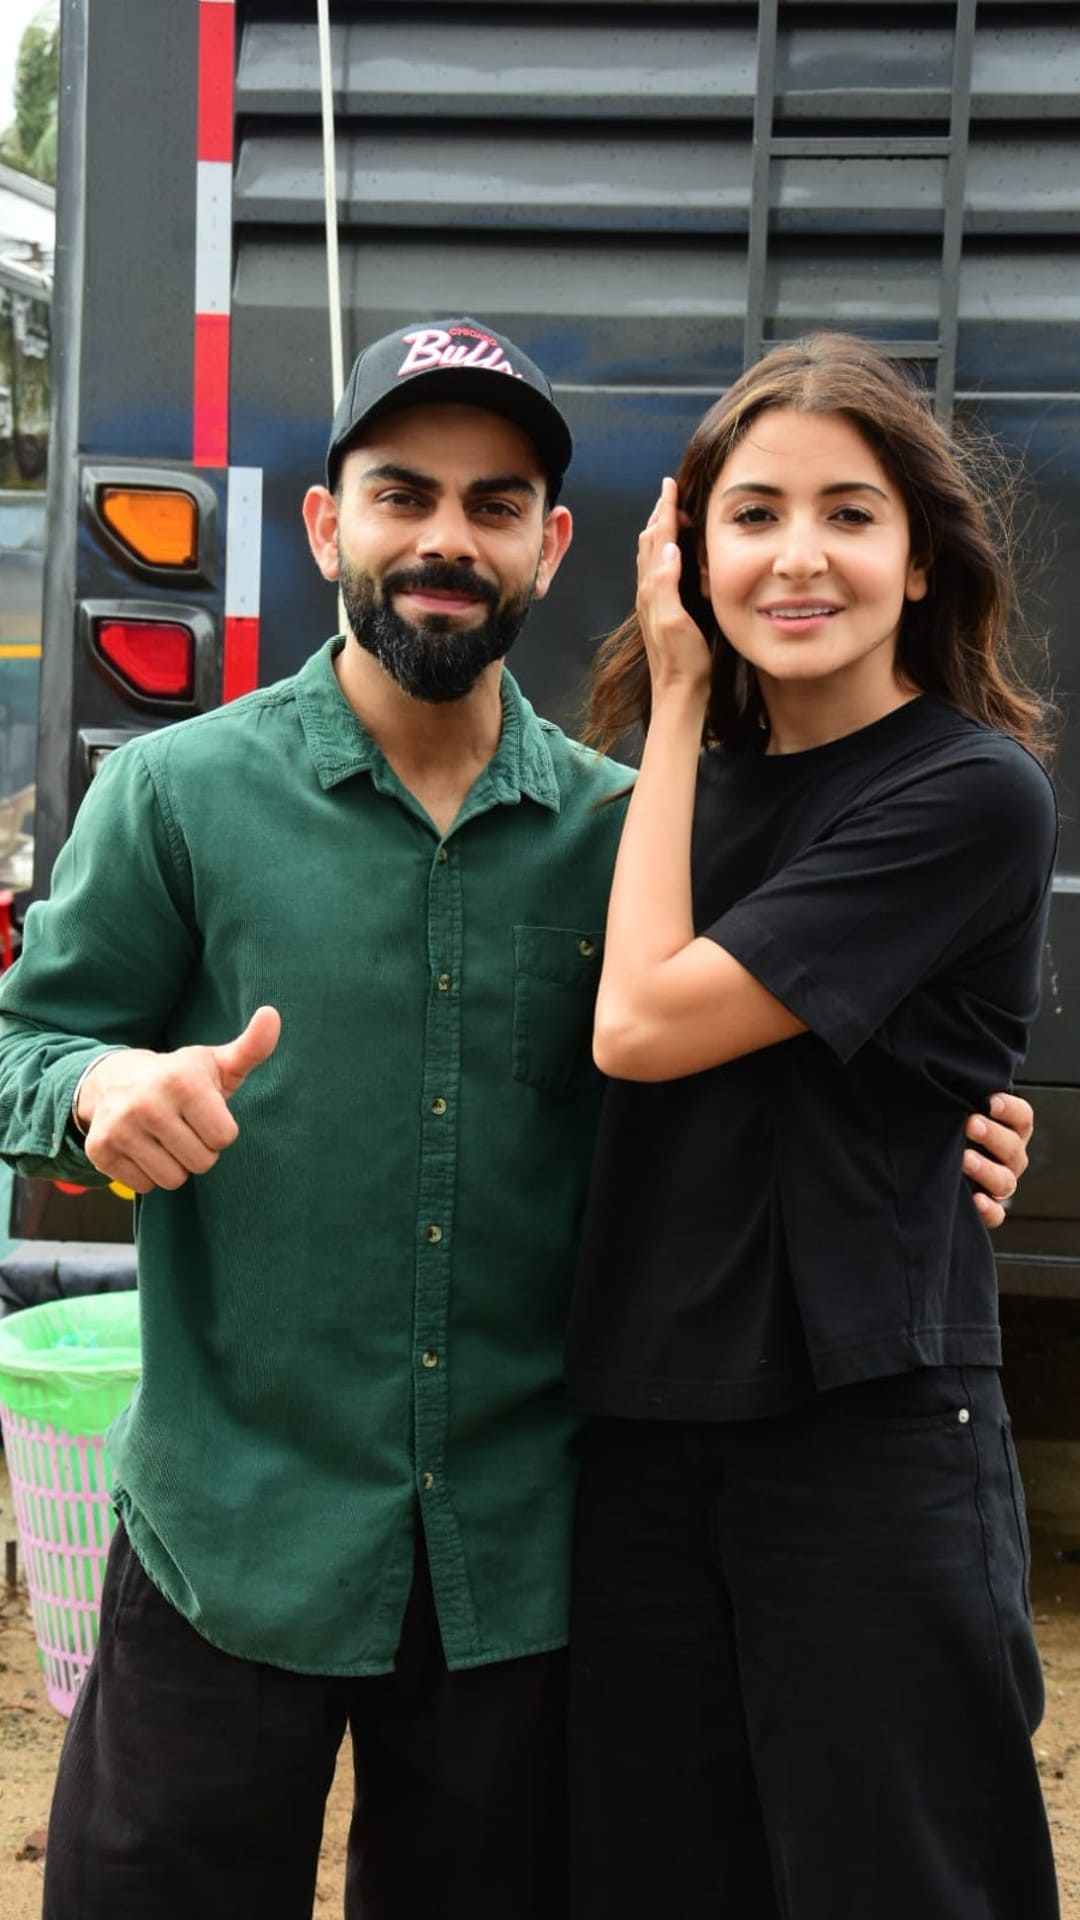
[853, 516]
[752, 516]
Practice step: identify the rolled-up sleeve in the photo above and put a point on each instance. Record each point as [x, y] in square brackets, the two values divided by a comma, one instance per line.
[103, 962]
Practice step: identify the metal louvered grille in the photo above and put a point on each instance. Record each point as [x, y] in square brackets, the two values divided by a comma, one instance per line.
[587, 170]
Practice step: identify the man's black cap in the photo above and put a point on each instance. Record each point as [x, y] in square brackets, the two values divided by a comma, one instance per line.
[455, 360]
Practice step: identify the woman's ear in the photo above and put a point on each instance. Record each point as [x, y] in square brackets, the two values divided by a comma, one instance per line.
[694, 581]
[703, 567]
[917, 584]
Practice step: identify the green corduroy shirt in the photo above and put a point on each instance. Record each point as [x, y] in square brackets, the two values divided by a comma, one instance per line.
[356, 1318]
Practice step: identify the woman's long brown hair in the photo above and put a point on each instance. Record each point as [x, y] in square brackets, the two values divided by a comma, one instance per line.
[955, 643]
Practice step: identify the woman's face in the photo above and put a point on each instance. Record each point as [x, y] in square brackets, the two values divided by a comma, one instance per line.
[807, 556]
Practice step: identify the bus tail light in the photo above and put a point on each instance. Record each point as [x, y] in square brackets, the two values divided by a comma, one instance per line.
[154, 658]
[160, 523]
[162, 654]
[157, 525]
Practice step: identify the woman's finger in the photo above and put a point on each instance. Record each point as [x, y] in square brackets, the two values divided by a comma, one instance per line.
[659, 567]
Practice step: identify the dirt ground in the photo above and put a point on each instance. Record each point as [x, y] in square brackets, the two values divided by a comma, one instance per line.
[1043, 1385]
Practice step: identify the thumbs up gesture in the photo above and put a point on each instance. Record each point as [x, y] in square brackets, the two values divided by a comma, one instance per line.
[153, 1119]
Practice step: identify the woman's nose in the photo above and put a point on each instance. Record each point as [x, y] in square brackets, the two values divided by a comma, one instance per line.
[800, 556]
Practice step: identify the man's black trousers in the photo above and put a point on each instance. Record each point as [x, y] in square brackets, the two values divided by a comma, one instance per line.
[803, 1678]
[192, 1785]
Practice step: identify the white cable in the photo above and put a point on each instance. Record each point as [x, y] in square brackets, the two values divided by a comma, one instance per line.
[333, 277]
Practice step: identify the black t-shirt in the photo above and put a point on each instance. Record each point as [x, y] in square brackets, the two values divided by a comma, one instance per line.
[798, 1219]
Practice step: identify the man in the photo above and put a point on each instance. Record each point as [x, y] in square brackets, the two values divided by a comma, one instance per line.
[345, 1484]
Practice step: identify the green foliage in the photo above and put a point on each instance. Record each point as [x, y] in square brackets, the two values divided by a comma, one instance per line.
[35, 84]
[10, 151]
[30, 145]
[43, 158]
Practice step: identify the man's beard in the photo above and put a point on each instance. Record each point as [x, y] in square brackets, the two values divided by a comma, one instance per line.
[434, 661]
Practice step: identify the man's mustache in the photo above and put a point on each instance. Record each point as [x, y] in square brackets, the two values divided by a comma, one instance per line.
[440, 577]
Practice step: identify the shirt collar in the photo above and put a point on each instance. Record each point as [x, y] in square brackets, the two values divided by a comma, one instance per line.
[340, 745]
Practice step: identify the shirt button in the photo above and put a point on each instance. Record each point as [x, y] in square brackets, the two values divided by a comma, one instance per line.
[438, 1105]
[964, 1416]
[429, 1358]
[433, 1236]
[586, 949]
[446, 981]
[442, 856]
[427, 1481]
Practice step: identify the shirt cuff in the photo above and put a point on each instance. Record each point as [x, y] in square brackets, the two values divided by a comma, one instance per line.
[80, 1131]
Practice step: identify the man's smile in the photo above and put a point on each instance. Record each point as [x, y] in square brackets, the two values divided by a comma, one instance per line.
[441, 599]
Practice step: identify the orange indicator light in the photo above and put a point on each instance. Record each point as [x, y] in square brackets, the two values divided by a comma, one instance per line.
[158, 526]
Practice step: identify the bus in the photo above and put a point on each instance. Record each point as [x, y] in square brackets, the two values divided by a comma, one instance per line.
[643, 195]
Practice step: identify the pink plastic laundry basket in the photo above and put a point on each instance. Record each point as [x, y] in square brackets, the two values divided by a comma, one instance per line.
[60, 1488]
[66, 1370]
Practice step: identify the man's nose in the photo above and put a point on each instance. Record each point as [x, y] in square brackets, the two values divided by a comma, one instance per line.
[448, 534]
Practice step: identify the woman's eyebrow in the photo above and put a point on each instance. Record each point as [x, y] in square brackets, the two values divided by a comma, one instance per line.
[856, 486]
[776, 493]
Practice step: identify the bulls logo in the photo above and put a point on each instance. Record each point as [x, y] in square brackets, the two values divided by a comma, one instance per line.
[431, 347]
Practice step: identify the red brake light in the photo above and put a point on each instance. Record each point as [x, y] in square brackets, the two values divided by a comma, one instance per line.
[155, 657]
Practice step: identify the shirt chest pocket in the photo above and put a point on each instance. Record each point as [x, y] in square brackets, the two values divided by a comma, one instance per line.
[556, 973]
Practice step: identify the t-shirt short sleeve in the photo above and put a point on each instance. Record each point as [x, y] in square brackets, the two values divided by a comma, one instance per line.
[913, 879]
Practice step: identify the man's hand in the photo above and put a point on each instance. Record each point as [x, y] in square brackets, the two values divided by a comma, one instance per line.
[151, 1119]
[999, 1156]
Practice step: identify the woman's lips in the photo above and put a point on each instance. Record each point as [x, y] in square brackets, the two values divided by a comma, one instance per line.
[792, 616]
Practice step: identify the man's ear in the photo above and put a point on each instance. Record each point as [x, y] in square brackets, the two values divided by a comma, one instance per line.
[558, 533]
[321, 521]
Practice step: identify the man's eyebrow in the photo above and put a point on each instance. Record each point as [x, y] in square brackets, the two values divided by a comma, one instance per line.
[426, 483]
[405, 477]
[776, 493]
[505, 483]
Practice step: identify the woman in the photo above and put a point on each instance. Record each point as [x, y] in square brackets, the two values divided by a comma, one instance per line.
[804, 1674]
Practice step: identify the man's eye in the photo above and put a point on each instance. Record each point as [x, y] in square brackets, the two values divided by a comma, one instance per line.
[399, 497]
[497, 509]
